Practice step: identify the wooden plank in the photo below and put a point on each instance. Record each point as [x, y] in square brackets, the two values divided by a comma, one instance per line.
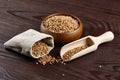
[98, 16]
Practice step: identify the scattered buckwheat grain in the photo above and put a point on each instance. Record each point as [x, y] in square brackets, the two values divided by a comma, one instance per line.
[63, 74]
[48, 59]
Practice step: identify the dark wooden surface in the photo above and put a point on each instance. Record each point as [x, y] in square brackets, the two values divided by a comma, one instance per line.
[98, 16]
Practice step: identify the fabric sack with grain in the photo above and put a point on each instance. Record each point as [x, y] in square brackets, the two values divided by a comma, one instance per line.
[22, 43]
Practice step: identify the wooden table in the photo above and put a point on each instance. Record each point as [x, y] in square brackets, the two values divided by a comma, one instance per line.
[98, 16]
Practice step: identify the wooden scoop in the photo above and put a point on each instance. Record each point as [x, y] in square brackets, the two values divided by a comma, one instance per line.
[92, 42]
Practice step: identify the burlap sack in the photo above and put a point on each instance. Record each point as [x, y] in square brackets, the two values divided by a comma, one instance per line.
[22, 43]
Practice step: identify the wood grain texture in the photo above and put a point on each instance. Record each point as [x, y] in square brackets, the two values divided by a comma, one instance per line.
[98, 16]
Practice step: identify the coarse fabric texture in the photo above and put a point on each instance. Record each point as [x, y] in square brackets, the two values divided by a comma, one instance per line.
[22, 43]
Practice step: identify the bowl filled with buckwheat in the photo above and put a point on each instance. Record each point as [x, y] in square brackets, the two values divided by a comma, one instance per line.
[63, 27]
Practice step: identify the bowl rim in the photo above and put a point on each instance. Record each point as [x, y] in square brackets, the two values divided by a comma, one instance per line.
[67, 14]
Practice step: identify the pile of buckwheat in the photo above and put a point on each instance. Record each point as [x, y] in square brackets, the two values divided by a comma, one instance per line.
[39, 48]
[61, 24]
[48, 59]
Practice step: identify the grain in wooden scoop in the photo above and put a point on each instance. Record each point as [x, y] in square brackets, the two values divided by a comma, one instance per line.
[72, 52]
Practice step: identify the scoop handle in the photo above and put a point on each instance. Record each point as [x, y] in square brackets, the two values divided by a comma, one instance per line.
[106, 37]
